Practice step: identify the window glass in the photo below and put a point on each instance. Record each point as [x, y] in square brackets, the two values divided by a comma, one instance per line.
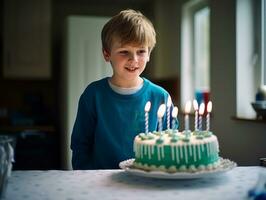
[195, 51]
[263, 42]
[201, 54]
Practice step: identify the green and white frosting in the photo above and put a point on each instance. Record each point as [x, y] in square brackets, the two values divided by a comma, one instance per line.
[174, 151]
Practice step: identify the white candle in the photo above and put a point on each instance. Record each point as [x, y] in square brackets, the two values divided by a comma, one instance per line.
[209, 109]
[169, 102]
[160, 115]
[196, 108]
[147, 109]
[174, 116]
[187, 111]
[201, 112]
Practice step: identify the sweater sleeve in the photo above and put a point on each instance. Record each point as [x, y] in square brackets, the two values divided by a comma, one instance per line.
[82, 138]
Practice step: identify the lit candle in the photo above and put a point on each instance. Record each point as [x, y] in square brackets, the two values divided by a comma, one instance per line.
[160, 115]
[201, 112]
[209, 109]
[174, 117]
[169, 102]
[147, 109]
[187, 111]
[196, 108]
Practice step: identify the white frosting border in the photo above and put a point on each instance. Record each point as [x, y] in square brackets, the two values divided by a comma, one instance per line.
[173, 169]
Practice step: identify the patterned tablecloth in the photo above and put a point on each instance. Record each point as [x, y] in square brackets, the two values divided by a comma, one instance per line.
[117, 184]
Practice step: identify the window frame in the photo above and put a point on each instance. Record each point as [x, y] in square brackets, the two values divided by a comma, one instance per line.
[187, 48]
[249, 56]
[263, 42]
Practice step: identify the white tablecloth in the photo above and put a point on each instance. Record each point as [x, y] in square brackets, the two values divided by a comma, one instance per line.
[117, 184]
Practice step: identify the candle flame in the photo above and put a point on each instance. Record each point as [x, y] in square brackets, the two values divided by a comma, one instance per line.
[175, 112]
[201, 108]
[147, 106]
[209, 107]
[161, 111]
[169, 101]
[188, 107]
[195, 104]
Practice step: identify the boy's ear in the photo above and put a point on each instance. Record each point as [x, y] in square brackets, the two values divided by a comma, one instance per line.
[106, 55]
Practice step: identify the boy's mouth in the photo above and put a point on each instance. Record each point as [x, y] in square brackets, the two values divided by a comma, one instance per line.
[131, 69]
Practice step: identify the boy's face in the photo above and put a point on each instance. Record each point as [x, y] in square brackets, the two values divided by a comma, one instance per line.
[128, 62]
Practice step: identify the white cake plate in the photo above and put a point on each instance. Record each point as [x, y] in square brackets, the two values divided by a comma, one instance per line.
[224, 166]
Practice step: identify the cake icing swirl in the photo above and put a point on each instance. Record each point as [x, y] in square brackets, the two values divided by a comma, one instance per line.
[174, 151]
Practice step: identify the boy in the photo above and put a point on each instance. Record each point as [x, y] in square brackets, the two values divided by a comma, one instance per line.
[111, 110]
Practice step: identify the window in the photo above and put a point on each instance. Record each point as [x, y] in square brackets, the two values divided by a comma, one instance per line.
[201, 64]
[195, 58]
[263, 42]
[250, 47]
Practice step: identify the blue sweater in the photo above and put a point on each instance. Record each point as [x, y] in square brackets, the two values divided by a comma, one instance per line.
[107, 123]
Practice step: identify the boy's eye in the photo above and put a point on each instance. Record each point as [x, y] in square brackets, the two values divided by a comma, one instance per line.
[123, 52]
[142, 51]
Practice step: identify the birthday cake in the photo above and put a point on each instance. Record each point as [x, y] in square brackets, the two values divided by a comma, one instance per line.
[172, 151]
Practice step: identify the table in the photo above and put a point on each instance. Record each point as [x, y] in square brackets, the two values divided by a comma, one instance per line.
[117, 184]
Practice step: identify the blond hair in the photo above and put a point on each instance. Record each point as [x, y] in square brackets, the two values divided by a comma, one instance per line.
[129, 27]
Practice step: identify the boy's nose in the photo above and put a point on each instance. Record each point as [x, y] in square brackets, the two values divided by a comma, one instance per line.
[133, 57]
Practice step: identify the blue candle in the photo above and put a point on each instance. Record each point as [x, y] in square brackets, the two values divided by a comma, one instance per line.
[196, 108]
[209, 109]
[160, 115]
[169, 102]
[201, 112]
[147, 109]
[174, 116]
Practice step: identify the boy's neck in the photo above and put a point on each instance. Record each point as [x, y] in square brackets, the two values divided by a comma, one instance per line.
[128, 84]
